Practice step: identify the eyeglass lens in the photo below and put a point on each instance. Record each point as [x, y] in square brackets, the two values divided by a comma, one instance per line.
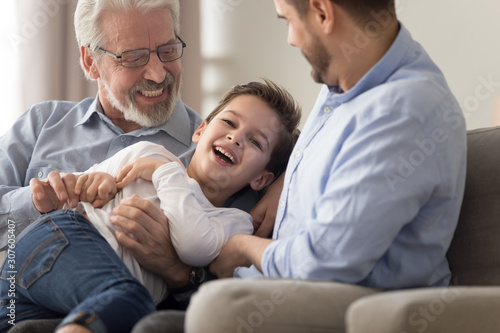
[166, 53]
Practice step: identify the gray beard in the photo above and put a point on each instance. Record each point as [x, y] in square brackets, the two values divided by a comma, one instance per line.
[158, 114]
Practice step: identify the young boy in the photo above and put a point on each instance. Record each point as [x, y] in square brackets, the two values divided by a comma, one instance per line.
[245, 141]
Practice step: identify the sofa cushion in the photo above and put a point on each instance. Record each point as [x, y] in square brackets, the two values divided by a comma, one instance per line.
[474, 254]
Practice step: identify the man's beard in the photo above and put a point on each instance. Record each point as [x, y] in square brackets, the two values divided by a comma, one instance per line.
[319, 60]
[157, 114]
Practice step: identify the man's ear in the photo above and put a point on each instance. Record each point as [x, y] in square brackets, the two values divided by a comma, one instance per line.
[323, 13]
[89, 63]
[265, 178]
[199, 131]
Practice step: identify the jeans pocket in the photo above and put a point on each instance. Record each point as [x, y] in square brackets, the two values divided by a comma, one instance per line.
[36, 252]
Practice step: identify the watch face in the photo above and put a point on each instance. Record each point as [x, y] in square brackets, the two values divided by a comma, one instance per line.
[199, 274]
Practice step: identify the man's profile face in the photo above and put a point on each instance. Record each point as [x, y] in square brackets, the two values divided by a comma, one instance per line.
[299, 35]
[318, 57]
[145, 95]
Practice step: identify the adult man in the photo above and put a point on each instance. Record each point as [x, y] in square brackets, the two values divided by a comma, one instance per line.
[372, 191]
[133, 50]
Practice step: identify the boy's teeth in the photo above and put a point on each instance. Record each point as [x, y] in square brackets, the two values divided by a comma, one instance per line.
[151, 93]
[225, 153]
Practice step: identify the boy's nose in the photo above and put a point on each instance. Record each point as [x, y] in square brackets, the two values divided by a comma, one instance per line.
[233, 139]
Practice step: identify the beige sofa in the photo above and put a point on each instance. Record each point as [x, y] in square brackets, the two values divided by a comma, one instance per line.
[472, 302]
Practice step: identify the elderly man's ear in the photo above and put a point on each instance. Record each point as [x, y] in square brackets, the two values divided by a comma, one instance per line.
[89, 63]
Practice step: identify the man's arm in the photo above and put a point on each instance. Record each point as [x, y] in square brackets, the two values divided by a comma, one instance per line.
[16, 149]
[241, 250]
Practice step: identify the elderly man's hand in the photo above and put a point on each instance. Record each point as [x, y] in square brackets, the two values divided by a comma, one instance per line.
[146, 234]
[52, 193]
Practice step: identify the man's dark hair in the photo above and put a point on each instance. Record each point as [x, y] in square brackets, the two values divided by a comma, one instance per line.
[361, 10]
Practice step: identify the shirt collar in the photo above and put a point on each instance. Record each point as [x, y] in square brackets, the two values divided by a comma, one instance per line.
[379, 73]
[178, 125]
[95, 107]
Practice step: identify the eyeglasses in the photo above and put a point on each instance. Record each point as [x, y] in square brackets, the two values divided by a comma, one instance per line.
[136, 58]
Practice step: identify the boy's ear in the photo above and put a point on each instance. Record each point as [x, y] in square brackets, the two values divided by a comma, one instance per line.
[265, 178]
[199, 131]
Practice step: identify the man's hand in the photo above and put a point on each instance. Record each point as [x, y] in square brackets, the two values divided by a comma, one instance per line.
[264, 212]
[138, 168]
[96, 187]
[52, 193]
[241, 250]
[146, 234]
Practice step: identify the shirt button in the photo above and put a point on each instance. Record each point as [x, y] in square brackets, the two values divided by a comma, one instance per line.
[282, 203]
[327, 110]
[298, 154]
[123, 139]
[40, 174]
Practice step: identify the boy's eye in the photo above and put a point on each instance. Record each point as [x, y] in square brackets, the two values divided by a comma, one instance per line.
[229, 122]
[256, 143]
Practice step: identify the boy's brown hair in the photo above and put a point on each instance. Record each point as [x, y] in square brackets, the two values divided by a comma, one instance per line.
[284, 106]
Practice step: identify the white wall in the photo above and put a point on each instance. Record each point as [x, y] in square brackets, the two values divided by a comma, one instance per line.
[242, 40]
[463, 38]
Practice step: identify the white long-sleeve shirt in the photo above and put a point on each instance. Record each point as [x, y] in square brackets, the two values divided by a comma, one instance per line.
[198, 229]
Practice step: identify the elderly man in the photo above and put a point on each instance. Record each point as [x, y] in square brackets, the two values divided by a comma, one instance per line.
[133, 50]
[372, 192]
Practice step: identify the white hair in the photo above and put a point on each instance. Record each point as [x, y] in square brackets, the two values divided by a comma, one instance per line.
[88, 13]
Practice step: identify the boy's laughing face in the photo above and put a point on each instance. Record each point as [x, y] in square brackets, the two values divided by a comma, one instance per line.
[235, 147]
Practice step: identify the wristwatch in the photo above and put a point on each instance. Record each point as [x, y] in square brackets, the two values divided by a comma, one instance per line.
[196, 277]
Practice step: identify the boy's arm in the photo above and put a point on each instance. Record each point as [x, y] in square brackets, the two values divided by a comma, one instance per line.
[198, 231]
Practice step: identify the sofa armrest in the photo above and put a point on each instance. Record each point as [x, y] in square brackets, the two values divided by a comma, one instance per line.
[429, 310]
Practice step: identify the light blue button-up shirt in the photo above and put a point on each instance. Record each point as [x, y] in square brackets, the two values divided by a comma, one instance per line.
[373, 189]
[71, 137]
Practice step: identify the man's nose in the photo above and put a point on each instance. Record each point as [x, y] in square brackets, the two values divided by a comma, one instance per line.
[155, 69]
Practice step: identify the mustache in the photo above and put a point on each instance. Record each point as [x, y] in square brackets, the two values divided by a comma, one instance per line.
[151, 85]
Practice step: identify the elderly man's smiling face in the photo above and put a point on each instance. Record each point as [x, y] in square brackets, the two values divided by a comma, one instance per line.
[144, 96]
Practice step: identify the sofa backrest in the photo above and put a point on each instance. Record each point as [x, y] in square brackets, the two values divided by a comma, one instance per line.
[474, 254]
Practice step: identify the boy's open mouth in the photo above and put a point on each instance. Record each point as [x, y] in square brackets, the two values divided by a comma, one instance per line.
[224, 155]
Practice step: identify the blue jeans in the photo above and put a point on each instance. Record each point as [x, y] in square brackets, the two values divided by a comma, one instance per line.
[63, 268]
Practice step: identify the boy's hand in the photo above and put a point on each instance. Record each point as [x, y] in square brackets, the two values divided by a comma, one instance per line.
[138, 168]
[264, 212]
[97, 188]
